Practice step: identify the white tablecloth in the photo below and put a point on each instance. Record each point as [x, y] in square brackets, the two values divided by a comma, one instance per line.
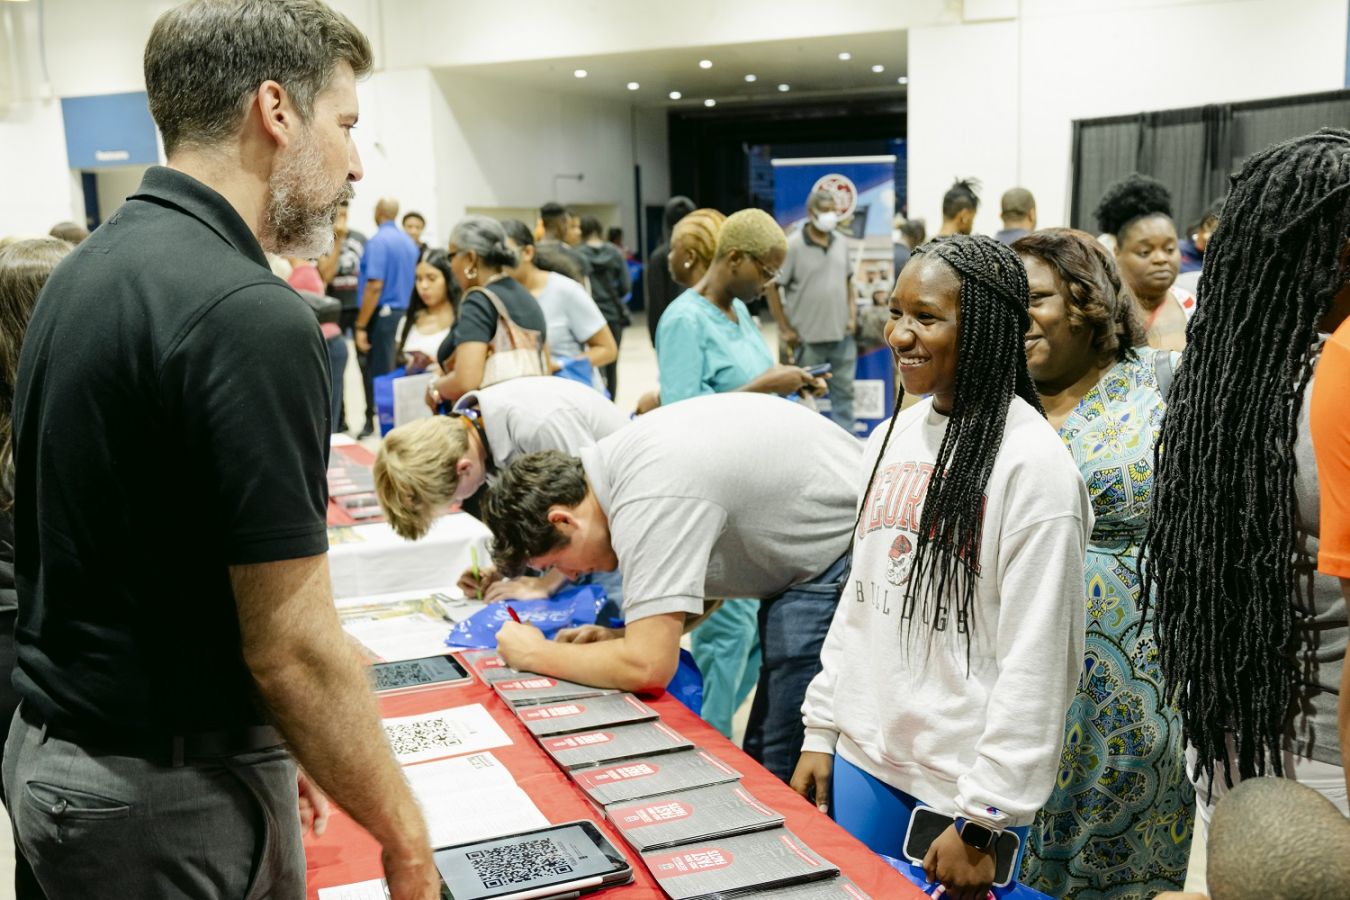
[381, 562]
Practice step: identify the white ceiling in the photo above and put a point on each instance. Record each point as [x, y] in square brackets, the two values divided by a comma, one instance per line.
[810, 66]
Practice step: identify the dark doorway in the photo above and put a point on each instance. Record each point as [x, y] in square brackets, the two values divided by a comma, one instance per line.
[713, 151]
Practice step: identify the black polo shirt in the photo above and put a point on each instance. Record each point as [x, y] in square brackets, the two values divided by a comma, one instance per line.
[170, 420]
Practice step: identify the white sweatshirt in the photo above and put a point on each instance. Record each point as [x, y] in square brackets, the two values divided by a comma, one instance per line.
[894, 696]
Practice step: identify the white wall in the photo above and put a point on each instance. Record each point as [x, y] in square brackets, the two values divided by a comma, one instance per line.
[461, 33]
[996, 100]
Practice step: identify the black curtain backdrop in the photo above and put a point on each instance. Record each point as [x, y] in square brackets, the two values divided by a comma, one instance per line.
[1193, 151]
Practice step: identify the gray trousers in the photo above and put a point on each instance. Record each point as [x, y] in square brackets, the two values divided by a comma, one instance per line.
[842, 355]
[97, 825]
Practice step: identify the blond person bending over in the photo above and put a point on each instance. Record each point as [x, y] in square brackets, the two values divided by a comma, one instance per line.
[428, 465]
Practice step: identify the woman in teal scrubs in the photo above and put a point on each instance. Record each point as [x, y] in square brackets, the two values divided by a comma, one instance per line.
[707, 343]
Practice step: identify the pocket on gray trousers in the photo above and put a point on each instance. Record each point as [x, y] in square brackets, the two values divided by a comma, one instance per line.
[66, 804]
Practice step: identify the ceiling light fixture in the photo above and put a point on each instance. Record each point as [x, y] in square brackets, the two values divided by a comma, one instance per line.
[783, 87]
[845, 56]
[878, 68]
[710, 102]
[749, 78]
[633, 85]
[675, 95]
[580, 73]
[903, 79]
[705, 63]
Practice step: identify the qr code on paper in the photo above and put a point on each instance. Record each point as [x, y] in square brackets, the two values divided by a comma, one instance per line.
[408, 738]
[396, 675]
[520, 863]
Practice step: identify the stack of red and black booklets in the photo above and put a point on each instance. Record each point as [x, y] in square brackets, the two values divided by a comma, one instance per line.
[699, 831]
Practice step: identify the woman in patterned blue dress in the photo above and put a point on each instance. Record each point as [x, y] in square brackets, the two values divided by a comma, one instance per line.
[1118, 824]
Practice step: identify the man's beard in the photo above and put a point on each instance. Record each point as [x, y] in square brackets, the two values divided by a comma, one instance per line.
[298, 218]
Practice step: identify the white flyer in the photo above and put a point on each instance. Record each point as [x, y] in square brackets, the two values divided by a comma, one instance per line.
[447, 732]
[471, 798]
[362, 890]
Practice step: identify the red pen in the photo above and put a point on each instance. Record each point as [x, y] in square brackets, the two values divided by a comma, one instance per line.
[514, 618]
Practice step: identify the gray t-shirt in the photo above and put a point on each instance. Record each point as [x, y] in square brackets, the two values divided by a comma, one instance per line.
[527, 415]
[1319, 616]
[814, 283]
[728, 495]
[572, 316]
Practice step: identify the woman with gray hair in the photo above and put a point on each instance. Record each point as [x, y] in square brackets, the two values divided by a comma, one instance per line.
[479, 259]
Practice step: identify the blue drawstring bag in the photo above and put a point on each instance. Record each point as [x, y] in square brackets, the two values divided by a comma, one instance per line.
[687, 685]
[383, 388]
[570, 608]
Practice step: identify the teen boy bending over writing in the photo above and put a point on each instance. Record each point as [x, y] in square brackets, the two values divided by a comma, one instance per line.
[733, 495]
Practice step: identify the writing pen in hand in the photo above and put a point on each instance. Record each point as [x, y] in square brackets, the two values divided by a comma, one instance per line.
[514, 618]
[473, 560]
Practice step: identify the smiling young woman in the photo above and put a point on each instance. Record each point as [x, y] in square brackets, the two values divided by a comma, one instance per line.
[975, 518]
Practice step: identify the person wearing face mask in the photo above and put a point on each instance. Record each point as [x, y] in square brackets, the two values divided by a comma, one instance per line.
[1106, 395]
[1137, 212]
[811, 298]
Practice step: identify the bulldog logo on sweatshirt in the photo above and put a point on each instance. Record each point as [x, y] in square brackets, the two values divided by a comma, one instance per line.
[901, 561]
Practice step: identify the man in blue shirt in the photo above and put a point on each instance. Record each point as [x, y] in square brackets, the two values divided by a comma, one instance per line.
[388, 272]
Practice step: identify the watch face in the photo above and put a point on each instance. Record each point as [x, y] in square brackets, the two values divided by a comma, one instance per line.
[977, 835]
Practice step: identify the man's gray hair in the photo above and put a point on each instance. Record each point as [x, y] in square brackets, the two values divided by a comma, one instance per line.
[206, 58]
[817, 198]
[487, 238]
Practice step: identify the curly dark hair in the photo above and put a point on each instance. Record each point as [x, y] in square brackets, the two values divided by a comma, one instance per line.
[1097, 299]
[517, 502]
[1129, 200]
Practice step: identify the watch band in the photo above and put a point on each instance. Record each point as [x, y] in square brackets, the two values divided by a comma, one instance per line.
[973, 834]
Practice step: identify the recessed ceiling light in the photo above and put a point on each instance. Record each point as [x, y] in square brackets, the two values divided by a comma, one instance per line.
[749, 78]
[878, 68]
[633, 85]
[845, 56]
[783, 87]
[705, 63]
[903, 79]
[675, 95]
[580, 73]
[710, 102]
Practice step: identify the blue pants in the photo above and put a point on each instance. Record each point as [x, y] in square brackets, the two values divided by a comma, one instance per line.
[380, 331]
[878, 815]
[842, 355]
[337, 362]
[792, 629]
[726, 648]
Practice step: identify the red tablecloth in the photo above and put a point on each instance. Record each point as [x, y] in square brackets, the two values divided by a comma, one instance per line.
[346, 853]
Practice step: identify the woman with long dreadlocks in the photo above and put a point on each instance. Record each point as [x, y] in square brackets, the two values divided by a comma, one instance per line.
[955, 652]
[1119, 821]
[1250, 636]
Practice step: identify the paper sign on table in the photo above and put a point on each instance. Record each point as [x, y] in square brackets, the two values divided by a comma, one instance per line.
[362, 890]
[471, 798]
[447, 732]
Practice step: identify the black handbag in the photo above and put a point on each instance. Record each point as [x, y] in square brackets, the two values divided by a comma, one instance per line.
[327, 309]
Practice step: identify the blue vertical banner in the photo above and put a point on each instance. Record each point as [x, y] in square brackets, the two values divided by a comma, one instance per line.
[874, 390]
[863, 188]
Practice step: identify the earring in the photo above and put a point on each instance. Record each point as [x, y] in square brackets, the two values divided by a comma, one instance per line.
[471, 272]
[688, 265]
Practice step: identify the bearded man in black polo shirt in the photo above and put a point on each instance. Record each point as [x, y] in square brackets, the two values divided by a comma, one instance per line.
[171, 428]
